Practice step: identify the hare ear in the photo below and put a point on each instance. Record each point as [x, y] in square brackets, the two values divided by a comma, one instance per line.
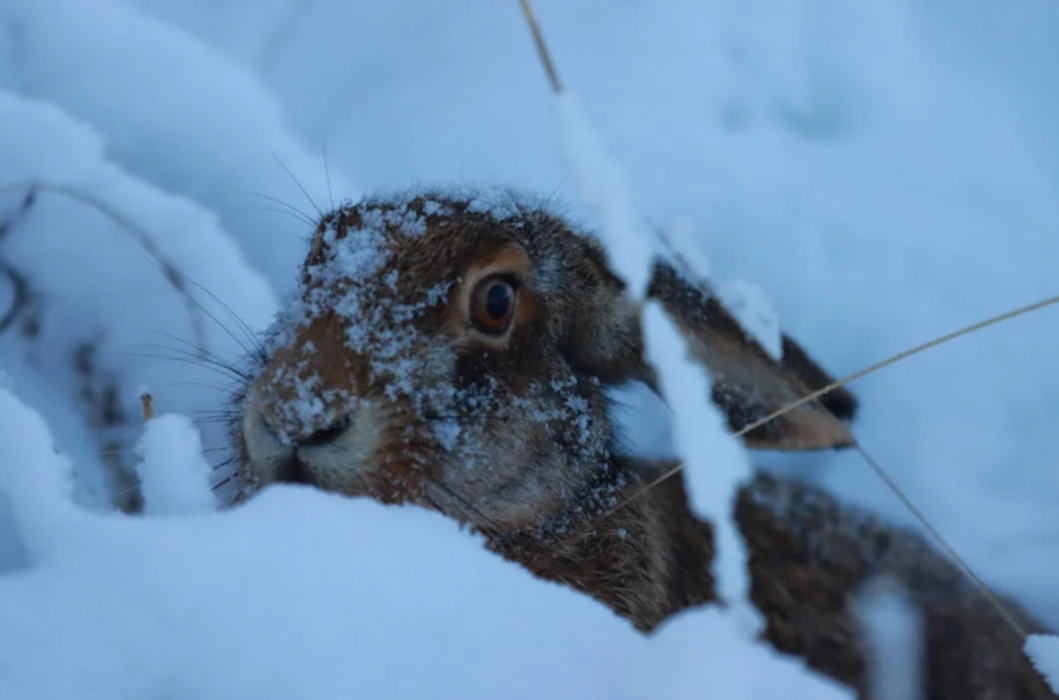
[602, 334]
[748, 384]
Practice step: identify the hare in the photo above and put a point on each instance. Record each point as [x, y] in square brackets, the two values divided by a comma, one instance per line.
[455, 350]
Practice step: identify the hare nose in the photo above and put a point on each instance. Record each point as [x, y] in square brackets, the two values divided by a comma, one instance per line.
[318, 438]
[325, 436]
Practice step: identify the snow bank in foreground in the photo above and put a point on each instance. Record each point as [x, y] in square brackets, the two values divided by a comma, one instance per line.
[308, 595]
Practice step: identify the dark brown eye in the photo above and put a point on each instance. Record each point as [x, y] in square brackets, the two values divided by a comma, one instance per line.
[493, 305]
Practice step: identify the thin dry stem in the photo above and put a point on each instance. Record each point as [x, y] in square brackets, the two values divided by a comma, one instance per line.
[20, 293]
[964, 567]
[542, 48]
[148, 406]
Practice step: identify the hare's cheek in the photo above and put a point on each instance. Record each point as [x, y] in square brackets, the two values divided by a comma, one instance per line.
[527, 488]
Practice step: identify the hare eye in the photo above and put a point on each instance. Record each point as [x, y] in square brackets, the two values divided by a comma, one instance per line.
[493, 305]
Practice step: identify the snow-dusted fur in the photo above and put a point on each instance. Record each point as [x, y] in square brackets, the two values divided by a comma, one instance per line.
[379, 379]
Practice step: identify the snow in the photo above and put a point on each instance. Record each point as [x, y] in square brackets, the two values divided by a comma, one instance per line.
[645, 421]
[36, 482]
[884, 171]
[715, 463]
[102, 294]
[1044, 650]
[174, 476]
[894, 634]
[754, 313]
[176, 114]
[304, 594]
[603, 186]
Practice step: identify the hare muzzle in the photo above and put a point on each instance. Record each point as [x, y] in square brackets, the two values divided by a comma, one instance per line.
[305, 420]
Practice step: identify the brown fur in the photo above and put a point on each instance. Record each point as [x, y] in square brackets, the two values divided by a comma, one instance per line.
[511, 434]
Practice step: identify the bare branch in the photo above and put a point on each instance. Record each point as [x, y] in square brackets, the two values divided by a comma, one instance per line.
[20, 294]
[142, 236]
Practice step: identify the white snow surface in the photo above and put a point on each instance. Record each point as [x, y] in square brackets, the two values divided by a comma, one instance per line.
[884, 171]
[308, 595]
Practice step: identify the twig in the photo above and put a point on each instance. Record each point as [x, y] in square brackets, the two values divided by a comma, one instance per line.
[542, 47]
[20, 294]
[949, 549]
[148, 405]
[20, 213]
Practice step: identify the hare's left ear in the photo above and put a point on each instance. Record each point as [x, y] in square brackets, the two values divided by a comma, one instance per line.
[748, 384]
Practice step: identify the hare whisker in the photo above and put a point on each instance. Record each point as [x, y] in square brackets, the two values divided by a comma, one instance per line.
[277, 210]
[230, 392]
[191, 352]
[224, 371]
[221, 483]
[133, 451]
[298, 183]
[225, 463]
[327, 175]
[462, 501]
[289, 208]
[261, 354]
[213, 421]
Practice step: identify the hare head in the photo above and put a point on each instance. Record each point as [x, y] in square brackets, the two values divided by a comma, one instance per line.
[456, 350]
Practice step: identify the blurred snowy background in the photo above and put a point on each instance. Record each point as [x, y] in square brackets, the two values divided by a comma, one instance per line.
[885, 171]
